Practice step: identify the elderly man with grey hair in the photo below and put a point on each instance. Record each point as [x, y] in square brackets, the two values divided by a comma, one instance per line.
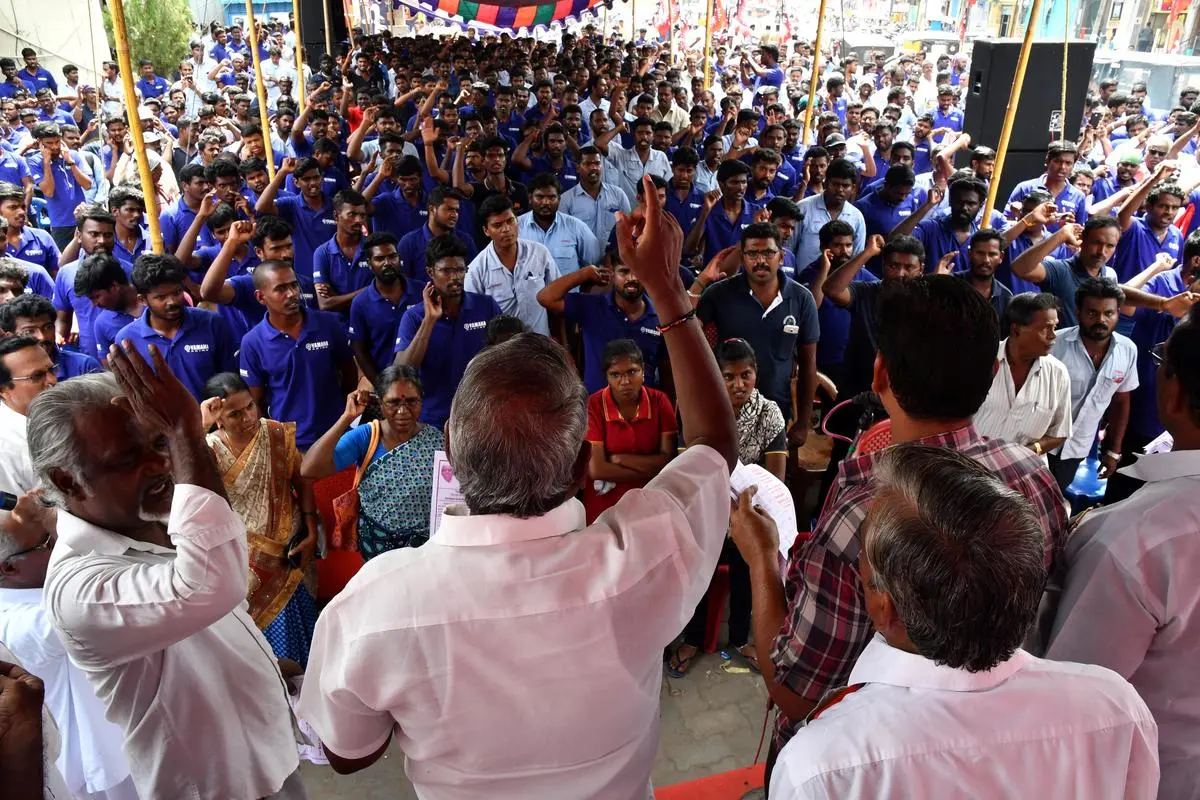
[943, 701]
[518, 654]
[146, 586]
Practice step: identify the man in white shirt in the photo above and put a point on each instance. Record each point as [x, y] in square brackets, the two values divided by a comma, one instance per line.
[594, 200]
[628, 166]
[1030, 400]
[476, 625]
[146, 586]
[1131, 594]
[511, 270]
[24, 373]
[1103, 368]
[943, 702]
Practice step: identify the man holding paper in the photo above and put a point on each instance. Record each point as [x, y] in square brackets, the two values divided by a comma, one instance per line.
[938, 340]
[516, 606]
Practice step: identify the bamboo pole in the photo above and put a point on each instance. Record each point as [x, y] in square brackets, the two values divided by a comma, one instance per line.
[95, 63]
[298, 84]
[708, 12]
[328, 36]
[816, 74]
[121, 34]
[260, 89]
[1010, 113]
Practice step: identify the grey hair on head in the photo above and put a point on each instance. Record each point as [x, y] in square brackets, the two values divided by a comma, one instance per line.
[961, 554]
[53, 439]
[516, 426]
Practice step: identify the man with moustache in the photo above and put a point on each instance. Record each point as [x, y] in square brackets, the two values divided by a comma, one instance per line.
[623, 313]
[376, 310]
[444, 207]
[569, 240]
[985, 253]
[33, 315]
[1103, 368]
[95, 230]
[146, 585]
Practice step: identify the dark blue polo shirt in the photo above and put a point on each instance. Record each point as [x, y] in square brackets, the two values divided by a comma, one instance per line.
[302, 377]
[510, 129]
[858, 361]
[245, 303]
[333, 180]
[882, 217]
[374, 320]
[245, 311]
[686, 210]
[127, 257]
[203, 346]
[412, 251]
[1018, 246]
[70, 364]
[1063, 277]
[310, 230]
[453, 343]
[601, 321]
[68, 193]
[922, 156]
[568, 176]
[775, 334]
[1138, 246]
[36, 247]
[834, 321]
[155, 87]
[1149, 328]
[345, 275]
[1001, 295]
[720, 233]
[12, 167]
[106, 328]
[175, 222]
[1069, 199]
[396, 215]
[939, 239]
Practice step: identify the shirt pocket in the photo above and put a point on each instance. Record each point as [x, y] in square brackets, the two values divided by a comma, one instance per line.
[783, 344]
[500, 289]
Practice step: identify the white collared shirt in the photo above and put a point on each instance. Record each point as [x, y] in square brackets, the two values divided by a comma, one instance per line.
[1092, 389]
[1026, 728]
[90, 758]
[1041, 408]
[524, 656]
[515, 290]
[164, 637]
[1131, 602]
[16, 469]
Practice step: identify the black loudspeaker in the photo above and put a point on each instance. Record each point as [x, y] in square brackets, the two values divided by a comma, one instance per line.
[993, 70]
[312, 27]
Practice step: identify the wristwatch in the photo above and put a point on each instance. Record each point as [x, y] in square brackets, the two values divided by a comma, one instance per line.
[1037, 448]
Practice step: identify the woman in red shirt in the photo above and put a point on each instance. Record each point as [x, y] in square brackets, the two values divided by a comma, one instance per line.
[631, 428]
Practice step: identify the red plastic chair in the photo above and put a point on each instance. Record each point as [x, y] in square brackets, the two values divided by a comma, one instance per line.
[336, 569]
[876, 437]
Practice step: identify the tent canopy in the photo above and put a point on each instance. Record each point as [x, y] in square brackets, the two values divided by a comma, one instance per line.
[61, 33]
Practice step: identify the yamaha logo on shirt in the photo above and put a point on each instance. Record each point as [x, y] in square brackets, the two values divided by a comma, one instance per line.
[474, 326]
[195, 348]
[650, 331]
[693, 205]
[311, 346]
[328, 221]
[34, 251]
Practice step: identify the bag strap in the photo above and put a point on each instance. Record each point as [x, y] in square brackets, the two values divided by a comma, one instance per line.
[372, 446]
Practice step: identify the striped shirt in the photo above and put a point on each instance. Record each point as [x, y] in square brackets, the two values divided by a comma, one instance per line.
[827, 626]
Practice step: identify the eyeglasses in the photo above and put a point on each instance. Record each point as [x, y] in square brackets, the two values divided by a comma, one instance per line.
[1158, 353]
[37, 377]
[411, 403]
[43, 544]
[450, 272]
[1159, 153]
[760, 255]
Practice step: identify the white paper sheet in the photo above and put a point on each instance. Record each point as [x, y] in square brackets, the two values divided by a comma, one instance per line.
[445, 490]
[773, 496]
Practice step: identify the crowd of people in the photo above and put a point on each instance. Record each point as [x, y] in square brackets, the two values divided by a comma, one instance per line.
[598, 275]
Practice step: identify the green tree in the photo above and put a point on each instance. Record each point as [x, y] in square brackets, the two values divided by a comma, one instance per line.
[158, 30]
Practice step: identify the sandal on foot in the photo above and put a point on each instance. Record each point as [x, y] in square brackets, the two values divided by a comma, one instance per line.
[747, 654]
[679, 665]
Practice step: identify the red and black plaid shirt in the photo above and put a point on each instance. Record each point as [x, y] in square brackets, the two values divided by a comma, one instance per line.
[827, 627]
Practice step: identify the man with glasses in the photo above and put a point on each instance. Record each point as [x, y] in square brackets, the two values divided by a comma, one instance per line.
[33, 315]
[25, 372]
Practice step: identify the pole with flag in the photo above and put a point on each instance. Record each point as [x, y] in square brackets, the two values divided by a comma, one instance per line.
[150, 193]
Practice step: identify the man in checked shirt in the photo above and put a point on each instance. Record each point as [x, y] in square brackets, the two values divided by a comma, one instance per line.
[938, 340]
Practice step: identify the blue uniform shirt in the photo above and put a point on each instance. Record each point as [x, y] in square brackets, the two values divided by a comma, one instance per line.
[412, 252]
[939, 238]
[374, 320]
[125, 255]
[685, 211]
[880, 216]
[37, 247]
[344, 275]
[155, 87]
[720, 233]
[1063, 277]
[567, 176]
[1138, 246]
[85, 313]
[310, 229]
[302, 377]
[1149, 328]
[13, 168]
[952, 119]
[333, 180]
[68, 193]
[203, 346]
[175, 222]
[571, 243]
[396, 215]
[1019, 245]
[40, 78]
[452, 344]
[1069, 199]
[834, 322]
[601, 321]
[106, 327]
[69, 364]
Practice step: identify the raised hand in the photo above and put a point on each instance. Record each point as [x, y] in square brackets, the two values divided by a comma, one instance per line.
[432, 301]
[875, 244]
[945, 264]
[208, 204]
[600, 274]
[1073, 234]
[241, 232]
[1179, 305]
[1044, 214]
[288, 166]
[154, 395]
[711, 199]
[210, 411]
[356, 403]
[651, 243]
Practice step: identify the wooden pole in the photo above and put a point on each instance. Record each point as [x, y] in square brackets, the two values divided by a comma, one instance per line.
[328, 36]
[708, 12]
[298, 85]
[1014, 97]
[816, 74]
[121, 34]
[260, 89]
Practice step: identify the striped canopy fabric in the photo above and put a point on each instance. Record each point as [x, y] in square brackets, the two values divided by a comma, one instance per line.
[507, 14]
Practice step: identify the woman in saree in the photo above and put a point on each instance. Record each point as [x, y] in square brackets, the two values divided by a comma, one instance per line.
[396, 489]
[762, 440]
[260, 467]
